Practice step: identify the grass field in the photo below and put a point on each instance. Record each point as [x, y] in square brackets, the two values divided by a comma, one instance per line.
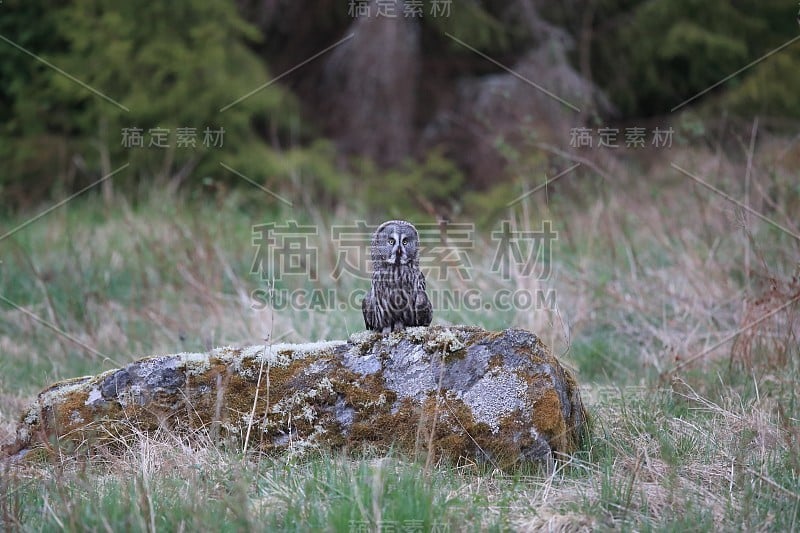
[677, 309]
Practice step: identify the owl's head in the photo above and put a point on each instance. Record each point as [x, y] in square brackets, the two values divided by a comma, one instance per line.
[395, 242]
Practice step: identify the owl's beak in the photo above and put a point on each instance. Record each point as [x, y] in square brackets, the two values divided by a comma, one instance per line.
[394, 256]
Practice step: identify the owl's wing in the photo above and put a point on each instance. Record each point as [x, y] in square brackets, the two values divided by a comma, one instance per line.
[423, 309]
[368, 310]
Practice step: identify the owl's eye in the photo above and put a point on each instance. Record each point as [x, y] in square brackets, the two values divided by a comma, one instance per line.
[405, 242]
[391, 241]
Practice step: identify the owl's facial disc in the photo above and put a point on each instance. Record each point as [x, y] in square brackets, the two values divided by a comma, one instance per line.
[398, 255]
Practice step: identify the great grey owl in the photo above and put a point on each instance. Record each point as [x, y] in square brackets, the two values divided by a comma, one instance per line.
[397, 298]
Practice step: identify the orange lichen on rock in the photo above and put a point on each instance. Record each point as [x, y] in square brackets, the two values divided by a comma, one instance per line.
[457, 392]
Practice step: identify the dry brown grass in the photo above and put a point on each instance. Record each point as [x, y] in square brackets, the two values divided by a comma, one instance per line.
[678, 310]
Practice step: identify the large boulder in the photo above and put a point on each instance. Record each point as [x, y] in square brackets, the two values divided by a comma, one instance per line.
[496, 397]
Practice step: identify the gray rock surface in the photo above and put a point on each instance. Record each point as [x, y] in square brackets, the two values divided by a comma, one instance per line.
[461, 392]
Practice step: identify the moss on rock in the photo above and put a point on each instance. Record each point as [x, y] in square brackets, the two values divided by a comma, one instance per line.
[457, 392]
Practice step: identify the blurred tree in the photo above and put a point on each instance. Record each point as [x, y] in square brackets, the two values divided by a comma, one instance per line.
[422, 96]
[372, 92]
[772, 87]
[25, 25]
[651, 56]
[169, 70]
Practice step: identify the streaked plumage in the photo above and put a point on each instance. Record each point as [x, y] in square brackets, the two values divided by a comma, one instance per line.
[397, 298]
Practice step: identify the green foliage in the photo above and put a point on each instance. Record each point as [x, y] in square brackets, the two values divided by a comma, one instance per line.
[169, 66]
[180, 65]
[651, 56]
[415, 187]
[601, 357]
[771, 89]
[490, 205]
[472, 24]
[312, 170]
[346, 496]
[715, 446]
[25, 143]
[323, 494]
